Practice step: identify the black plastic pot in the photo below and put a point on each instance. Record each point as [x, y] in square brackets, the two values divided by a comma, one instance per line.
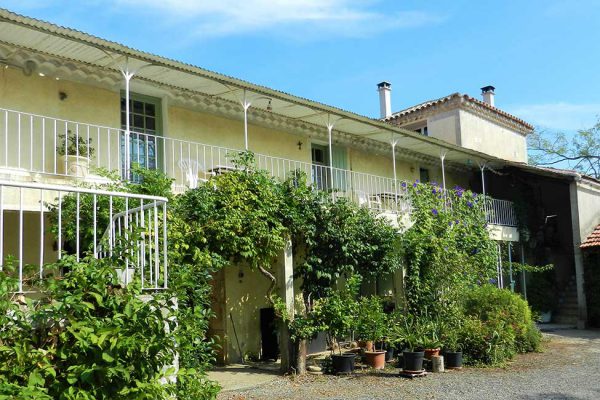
[453, 359]
[389, 354]
[413, 360]
[343, 363]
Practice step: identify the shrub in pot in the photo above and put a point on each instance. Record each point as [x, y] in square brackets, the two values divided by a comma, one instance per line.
[372, 326]
[337, 312]
[75, 152]
[452, 346]
[407, 333]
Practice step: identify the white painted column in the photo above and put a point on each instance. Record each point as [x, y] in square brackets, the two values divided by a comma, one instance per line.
[128, 75]
[330, 139]
[246, 105]
[286, 291]
[394, 142]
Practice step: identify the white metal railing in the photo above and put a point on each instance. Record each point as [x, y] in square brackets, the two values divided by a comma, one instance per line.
[136, 226]
[45, 145]
[501, 212]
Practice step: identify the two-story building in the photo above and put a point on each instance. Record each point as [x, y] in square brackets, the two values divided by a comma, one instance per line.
[72, 103]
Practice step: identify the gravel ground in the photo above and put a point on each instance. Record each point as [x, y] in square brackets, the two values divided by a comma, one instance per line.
[569, 369]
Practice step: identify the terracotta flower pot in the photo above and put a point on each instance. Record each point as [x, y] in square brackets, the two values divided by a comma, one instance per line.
[366, 344]
[431, 352]
[375, 359]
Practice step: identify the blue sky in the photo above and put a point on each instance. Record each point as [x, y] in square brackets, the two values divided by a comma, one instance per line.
[542, 56]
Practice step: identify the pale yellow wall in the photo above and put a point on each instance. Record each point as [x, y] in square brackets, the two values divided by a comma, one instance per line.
[445, 126]
[39, 138]
[31, 238]
[245, 298]
[488, 137]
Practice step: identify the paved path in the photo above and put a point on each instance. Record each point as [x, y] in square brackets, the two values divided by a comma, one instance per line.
[569, 369]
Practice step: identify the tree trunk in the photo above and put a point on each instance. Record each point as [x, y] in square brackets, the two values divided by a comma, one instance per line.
[301, 357]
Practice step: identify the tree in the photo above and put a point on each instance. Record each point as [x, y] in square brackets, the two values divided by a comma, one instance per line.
[580, 152]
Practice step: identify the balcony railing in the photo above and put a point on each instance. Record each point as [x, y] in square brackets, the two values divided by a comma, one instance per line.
[129, 228]
[44, 145]
[501, 212]
[35, 144]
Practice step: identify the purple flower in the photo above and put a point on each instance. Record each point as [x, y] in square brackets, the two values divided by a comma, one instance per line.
[403, 184]
[469, 204]
[434, 211]
[415, 184]
[456, 222]
[493, 281]
[433, 191]
[474, 194]
[458, 188]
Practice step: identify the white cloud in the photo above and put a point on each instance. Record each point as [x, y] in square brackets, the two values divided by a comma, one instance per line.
[301, 17]
[558, 116]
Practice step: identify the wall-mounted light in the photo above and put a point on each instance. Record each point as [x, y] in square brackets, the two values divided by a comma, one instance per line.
[269, 106]
[299, 144]
[62, 96]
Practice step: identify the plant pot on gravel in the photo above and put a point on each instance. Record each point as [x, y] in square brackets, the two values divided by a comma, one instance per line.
[343, 363]
[413, 360]
[453, 359]
[429, 353]
[389, 354]
[375, 359]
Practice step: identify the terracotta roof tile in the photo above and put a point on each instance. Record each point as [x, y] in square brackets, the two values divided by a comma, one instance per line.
[593, 240]
[465, 97]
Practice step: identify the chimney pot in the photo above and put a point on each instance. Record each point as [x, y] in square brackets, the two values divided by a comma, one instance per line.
[385, 101]
[488, 94]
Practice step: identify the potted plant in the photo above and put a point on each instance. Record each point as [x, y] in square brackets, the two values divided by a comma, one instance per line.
[372, 326]
[431, 340]
[452, 347]
[337, 313]
[74, 153]
[407, 334]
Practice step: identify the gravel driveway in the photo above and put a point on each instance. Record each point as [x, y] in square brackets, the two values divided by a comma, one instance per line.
[568, 369]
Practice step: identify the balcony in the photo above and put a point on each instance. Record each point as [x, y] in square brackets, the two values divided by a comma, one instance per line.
[131, 229]
[35, 146]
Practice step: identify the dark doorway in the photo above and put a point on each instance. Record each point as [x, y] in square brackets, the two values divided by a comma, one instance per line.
[268, 332]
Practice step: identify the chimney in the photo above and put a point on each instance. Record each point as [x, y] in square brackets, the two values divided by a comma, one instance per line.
[488, 94]
[385, 100]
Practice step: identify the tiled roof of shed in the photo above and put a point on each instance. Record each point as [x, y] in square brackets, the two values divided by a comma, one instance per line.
[593, 240]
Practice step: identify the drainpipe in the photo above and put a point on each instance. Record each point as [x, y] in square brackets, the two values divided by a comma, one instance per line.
[510, 271]
[442, 158]
[523, 278]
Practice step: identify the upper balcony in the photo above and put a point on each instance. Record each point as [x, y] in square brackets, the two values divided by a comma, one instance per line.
[39, 147]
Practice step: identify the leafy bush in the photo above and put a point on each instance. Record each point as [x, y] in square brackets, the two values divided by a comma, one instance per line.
[447, 249]
[371, 322]
[84, 338]
[499, 324]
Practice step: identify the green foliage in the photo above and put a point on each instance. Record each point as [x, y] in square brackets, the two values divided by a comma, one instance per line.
[347, 240]
[237, 215]
[498, 324]
[75, 145]
[408, 331]
[580, 151]
[86, 338]
[447, 249]
[337, 312]
[371, 321]
[540, 287]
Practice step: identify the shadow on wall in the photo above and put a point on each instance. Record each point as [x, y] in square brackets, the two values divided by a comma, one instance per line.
[245, 297]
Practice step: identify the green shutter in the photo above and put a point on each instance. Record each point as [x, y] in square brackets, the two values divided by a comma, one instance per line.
[339, 160]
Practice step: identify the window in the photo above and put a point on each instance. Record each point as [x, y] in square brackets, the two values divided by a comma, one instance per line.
[423, 131]
[145, 125]
[423, 175]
